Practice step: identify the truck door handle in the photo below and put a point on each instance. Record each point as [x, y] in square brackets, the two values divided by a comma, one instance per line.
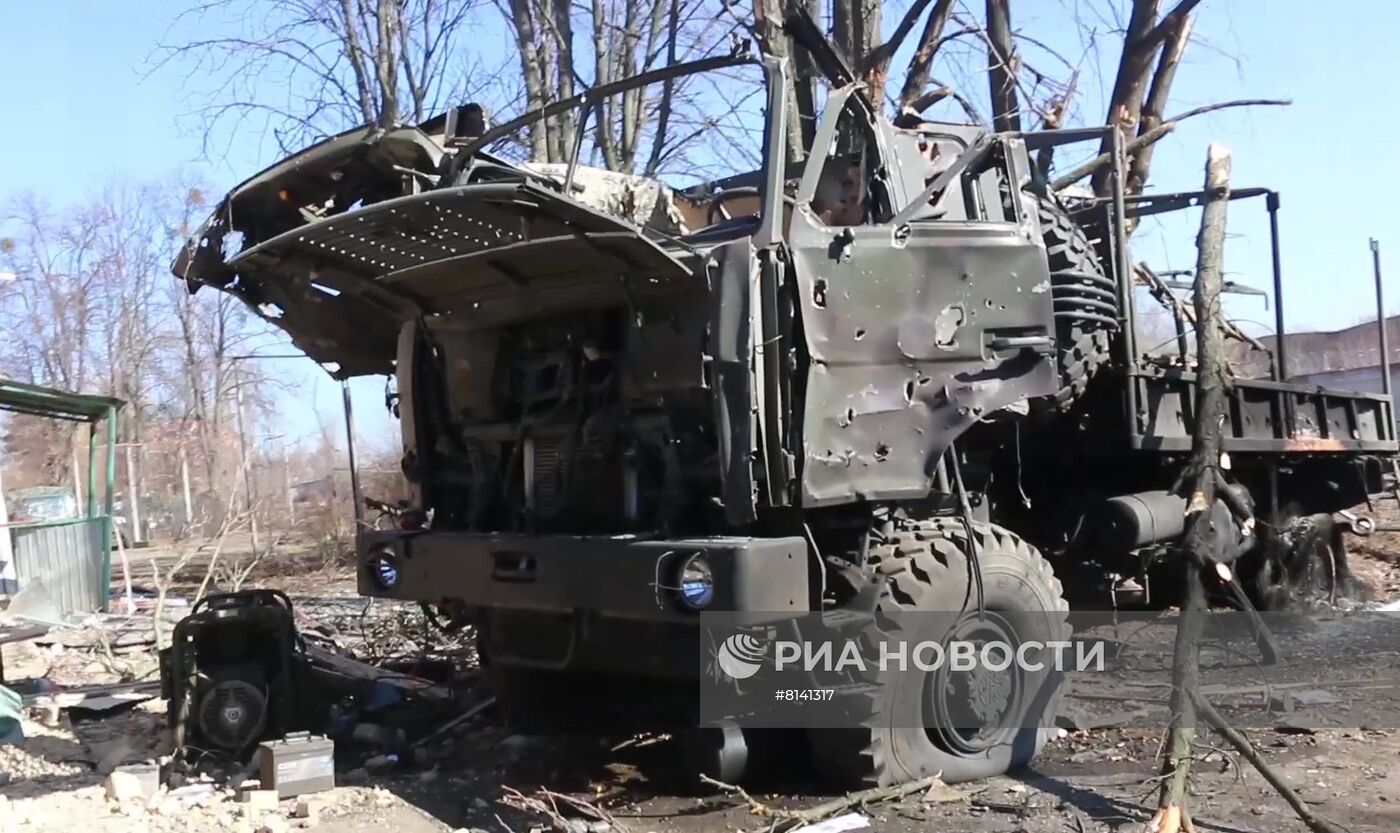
[515, 566]
[1037, 343]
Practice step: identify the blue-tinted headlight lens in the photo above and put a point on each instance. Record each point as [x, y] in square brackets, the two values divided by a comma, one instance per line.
[697, 582]
[384, 569]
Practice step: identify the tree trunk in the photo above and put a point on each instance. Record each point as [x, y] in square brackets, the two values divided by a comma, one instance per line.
[1201, 477]
[1001, 67]
[534, 72]
[921, 64]
[1155, 106]
[1128, 86]
[774, 41]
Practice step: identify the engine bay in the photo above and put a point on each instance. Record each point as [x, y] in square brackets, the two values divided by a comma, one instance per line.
[592, 422]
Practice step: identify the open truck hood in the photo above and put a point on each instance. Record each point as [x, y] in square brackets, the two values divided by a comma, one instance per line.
[339, 267]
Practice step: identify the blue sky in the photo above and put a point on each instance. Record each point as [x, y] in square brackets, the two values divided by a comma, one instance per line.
[81, 109]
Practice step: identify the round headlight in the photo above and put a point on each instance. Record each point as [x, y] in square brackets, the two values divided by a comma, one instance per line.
[384, 569]
[697, 582]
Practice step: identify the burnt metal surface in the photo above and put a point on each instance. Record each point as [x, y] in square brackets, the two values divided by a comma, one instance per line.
[342, 287]
[904, 347]
[916, 328]
[732, 343]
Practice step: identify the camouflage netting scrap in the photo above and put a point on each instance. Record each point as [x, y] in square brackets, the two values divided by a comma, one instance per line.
[637, 199]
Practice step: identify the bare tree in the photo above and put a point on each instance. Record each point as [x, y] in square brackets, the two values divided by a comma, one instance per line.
[1024, 76]
[336, 63]
[92, 308]
[564, 50]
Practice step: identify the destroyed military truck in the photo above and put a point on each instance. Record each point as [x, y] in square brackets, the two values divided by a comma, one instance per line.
[896, 376]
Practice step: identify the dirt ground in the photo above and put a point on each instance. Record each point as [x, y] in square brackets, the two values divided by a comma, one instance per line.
[1086, 781]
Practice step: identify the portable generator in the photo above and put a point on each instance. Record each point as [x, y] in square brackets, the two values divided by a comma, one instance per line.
[229, 674]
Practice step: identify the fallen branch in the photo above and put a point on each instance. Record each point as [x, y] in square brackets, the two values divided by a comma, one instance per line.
[1159, 290]
[794, 818]
[455, 722]
[546, 803]
[1247, 751]
[1156, 134]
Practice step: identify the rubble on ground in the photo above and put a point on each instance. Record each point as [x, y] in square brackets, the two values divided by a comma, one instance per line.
[95, 725]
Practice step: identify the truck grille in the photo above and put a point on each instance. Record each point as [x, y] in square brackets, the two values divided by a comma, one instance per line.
[547, 475]
[573, 486]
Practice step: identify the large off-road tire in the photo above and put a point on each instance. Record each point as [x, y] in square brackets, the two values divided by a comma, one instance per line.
[926, 568]
[1085, 301]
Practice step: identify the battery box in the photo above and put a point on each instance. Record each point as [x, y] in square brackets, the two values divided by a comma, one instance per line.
[297, 764]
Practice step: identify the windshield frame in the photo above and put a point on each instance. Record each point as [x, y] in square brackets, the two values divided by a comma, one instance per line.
[774, 124]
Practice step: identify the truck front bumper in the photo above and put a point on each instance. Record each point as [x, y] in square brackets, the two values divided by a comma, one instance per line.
[571, 602]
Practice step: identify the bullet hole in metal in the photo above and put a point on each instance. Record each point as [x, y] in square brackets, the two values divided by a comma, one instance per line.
[819, 293]
[860, 334]
[882, 451]
[909, 391]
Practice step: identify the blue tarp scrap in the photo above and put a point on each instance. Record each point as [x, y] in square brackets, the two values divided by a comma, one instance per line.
[11, 709]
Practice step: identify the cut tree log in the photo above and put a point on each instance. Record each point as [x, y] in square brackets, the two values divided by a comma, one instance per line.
[1204, 483]
[1199, 482]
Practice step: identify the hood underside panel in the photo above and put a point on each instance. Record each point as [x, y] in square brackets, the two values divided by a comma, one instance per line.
[487, 253]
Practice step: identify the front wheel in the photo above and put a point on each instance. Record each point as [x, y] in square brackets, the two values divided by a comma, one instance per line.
[964, 725]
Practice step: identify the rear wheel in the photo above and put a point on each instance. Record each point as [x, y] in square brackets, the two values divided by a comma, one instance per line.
[1300, 558]
[964, 725]
[1085, 301]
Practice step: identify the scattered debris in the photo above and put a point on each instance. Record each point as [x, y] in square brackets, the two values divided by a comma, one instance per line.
[1289, 701]
[18, 635]
[193, 793]
[133, 783]
[839, 824]
[587, 817]
[941, 793]
[307, 809]
[96, 700]
[259, 800]
[792, 819]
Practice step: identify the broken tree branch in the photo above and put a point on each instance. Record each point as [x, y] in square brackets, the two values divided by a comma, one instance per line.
[1246, 749]
[794, 818]
[1200, 481]
[879, 58]
[1103, 160]
[1170, 20]
[1179, 309]
[1133, 66]
[920, 65]
[1155, 106]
